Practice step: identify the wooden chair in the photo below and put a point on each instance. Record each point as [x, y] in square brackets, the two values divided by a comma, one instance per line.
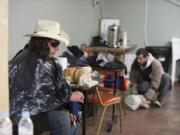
[118, 93]
[121, 92]
[106, 100]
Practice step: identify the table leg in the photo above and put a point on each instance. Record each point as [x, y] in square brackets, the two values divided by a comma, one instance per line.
[124, 104]
[113, 108]
[115, 80]
[84, 111]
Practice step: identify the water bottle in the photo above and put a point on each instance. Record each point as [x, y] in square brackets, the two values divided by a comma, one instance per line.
[5, 124]
[125, 39]
[25, 126]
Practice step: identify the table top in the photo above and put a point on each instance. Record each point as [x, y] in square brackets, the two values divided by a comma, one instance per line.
[107, 69]
[118, 50]
[81, 87]
[85, 88]
[119, 72]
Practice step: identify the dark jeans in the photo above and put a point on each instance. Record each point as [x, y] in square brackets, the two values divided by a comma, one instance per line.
[164, 87]
[59, 123]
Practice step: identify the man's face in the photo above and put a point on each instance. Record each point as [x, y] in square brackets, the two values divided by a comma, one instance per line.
[141, 59]
[53, 47]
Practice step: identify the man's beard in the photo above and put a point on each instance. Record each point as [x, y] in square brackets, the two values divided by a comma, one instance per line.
[142, 66]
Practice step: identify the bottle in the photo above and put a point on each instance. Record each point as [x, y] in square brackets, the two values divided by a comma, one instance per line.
[25, 126]
[124, 39]
[5, 124]
[120, 38]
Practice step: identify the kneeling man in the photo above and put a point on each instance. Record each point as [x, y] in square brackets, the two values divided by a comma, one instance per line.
[148, 78]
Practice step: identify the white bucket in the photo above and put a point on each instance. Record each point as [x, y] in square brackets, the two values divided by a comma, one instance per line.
[63, 62]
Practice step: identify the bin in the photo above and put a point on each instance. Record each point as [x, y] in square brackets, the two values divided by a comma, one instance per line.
[162, 53]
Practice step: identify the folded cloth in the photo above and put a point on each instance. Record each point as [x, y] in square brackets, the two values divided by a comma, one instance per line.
[90, 84]
[82, 76]
[105, 57]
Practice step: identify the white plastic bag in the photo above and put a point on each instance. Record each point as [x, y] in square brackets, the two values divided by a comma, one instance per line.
[135, 101]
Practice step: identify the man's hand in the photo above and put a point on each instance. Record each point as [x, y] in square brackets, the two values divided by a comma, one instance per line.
[150, 94]
[77, 97]
[143, 100]
[73, 117]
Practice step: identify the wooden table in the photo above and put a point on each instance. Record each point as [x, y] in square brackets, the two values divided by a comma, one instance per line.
[119, 52]
[116, 51]
[85, 91]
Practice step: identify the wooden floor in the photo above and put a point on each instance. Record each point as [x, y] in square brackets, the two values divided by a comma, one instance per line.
[155, 121]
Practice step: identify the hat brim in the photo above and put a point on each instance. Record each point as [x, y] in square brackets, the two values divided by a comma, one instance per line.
[62, 37]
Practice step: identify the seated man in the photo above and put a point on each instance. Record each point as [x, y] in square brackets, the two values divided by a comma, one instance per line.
[148, 78]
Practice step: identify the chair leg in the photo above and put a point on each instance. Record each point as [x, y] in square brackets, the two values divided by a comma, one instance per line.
[124, 104]
[120, 116]
[115, 106]
[94, 113]
[100, 122]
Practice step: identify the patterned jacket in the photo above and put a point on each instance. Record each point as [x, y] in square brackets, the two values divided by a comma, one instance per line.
[35, 84]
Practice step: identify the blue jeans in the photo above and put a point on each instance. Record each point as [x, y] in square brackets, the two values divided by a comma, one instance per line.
[165, 86]
[59, 123]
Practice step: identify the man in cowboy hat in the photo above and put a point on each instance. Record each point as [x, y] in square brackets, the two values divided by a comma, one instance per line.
[148, 78]
[36, 83]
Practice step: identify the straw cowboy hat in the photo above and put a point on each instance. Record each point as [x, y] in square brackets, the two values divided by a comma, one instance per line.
[50, 29]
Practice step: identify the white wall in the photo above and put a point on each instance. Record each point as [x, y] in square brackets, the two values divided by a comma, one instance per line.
[80, 19]
[163, 19]
[77, 17]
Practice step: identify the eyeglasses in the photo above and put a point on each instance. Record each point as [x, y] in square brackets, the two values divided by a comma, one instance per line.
[54, 43]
